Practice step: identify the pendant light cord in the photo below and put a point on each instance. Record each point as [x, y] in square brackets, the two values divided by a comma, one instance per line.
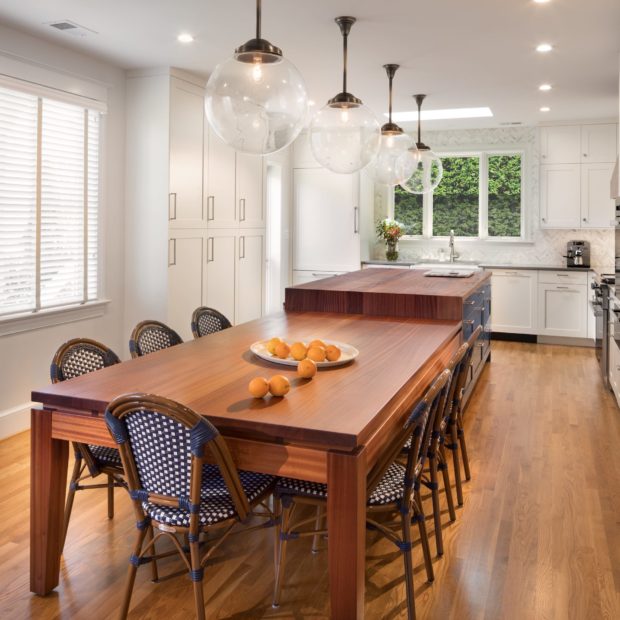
[345, 55]
[258, 18]
[419, 99]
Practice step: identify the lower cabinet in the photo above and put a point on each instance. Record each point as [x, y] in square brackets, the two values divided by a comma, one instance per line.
[249, 276]
[221, 263]
[514, 294]
[302, 276]
[562, 310]
[614, 367]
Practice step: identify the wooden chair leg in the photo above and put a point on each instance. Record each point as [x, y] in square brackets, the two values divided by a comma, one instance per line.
[110, 496]
[281, 559]
[407, 552]
[432, 462]
[196, 576]
[318, 525]
[454, 448]
[75, 476]
[154, 571]
[461, 435]
[418, 515]
[131, 575]
[446, 483]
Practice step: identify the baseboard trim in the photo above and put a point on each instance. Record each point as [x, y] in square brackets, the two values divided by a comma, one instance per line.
[571, 342]
[15, 420]
[513, 337]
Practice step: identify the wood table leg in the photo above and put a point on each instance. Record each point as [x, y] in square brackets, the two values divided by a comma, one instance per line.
[48, 480]
[346, 519]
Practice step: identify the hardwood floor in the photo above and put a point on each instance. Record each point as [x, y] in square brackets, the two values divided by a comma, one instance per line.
[537, 538]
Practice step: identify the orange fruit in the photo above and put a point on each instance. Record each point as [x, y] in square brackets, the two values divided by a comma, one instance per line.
[258, 387]
[279, 385]
[272, 344]
[298, 351]
[306, 369]
[317, 343]
[332, 353]
[282, 350]
[316, 354]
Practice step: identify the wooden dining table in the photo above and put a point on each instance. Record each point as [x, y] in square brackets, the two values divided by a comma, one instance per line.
[329, 429]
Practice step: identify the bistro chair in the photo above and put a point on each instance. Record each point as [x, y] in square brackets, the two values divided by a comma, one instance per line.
[150, 336]
[207, 321]
[393, 490]
[183, 482]
[75, 358]
[457, 435]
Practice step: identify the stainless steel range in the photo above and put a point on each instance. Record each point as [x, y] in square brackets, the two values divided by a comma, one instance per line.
[601, 307]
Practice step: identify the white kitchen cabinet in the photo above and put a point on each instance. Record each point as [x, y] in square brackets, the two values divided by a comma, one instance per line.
[250, 275]
[221, 261]
[562, 310]
[560, 144]
[302, 153]
[614, 367]
[302, 277]
[599, 143]
[560, 196]
[326, 220]
[249, 191]
[514, 301]
[220, 202]
[597, 208]
[185, 278]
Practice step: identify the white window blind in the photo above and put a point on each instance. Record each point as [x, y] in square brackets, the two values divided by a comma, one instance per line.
[49, 203]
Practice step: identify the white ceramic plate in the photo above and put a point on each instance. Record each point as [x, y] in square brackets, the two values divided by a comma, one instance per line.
[348, 353]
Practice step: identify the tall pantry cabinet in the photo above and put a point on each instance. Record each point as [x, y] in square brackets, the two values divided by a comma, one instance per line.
[195, 209]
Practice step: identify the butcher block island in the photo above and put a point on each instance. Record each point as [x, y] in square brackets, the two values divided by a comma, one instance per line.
[408, 294]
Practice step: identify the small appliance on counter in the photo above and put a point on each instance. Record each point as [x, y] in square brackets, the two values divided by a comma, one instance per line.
[578, 254]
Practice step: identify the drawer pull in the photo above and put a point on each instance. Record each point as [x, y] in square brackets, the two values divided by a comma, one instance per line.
[470, 303]
[469, 321]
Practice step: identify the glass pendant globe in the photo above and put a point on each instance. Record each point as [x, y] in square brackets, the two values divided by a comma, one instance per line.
[396, 160]
[345, 139]
[426, 175]
[256, 107]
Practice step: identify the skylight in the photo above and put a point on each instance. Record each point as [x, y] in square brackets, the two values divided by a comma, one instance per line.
[437, 115]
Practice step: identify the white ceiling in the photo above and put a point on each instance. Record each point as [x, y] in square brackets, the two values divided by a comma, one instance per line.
[462, 54]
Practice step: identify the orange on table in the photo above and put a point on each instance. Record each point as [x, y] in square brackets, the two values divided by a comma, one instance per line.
[306, 369]
[332, 353]
[282, 350]
[259, 386]
[272, 344]
[316, 354]
[279, 385]
[317, 343]
[298, 351]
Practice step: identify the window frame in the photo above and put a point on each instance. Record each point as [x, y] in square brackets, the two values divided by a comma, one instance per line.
[483, 155]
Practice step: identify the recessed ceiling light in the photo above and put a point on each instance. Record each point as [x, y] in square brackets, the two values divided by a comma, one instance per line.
[185, 37]
[311, 102]
[436, 115]
[544, 47]
[541, 1]
[545, 109]
[544, 87]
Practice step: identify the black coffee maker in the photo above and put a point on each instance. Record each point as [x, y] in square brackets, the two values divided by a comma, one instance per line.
[578, 254]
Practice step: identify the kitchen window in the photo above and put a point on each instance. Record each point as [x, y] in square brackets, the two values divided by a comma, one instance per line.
[49, 203]
[480, 196]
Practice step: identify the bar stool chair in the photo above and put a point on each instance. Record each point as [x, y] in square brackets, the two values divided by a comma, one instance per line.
[150, 336]
[392, 489]
[75, 358]
[164, 447]
[208, 321]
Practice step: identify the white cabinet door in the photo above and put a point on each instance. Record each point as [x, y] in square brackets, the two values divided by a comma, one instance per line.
[560, 144]
[250, 273]
[513, 301]
[221, 259]
[614, 367]
[597, 208]
[560, 198]
[185, 278]
[326, 220]
[562, 310]
[599, 143]
[186, 155]
[302, 152]
[220, 203]
[249, 191]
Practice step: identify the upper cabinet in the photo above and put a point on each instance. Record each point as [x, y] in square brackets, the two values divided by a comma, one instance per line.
[560, 199]
[560, 144]
[599, 144]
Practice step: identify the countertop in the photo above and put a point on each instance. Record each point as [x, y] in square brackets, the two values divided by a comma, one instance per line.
[399, 263]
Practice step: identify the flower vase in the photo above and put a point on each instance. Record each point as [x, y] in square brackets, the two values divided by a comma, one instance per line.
[391, 252]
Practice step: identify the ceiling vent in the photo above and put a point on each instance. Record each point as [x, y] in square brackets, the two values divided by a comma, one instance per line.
[71, 28]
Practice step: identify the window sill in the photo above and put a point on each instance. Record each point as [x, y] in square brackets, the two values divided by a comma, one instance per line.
[27, 321]
[442, 241]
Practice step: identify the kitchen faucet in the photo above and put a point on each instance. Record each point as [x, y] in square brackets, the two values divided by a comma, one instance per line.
[453, 254]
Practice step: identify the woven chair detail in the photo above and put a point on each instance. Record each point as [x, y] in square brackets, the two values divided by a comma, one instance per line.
[150, 336]
[207, 321]
[164, 447]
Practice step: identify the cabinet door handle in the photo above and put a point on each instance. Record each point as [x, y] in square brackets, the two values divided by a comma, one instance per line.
[544, 220]
[172, 252]
[469, 303]
[317, 275]
[172, 203]
[585, 219]
[585, 154]
[242, 209]
[562, 287]
[469, 322]
[356, 220]
[210, 208]
[210, 249]
[562, 275]
[242, 247]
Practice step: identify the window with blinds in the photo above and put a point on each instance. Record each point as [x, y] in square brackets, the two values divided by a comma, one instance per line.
[49, 203]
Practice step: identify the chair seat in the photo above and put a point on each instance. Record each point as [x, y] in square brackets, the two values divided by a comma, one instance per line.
[106, 457]
[216, 505]
[388, 491]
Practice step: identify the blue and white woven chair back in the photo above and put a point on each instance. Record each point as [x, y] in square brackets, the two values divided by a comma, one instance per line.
[207, 321]
[150, 336]
[80, 356]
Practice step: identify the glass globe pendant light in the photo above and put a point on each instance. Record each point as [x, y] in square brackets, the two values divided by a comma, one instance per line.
[256, 101]
[344, 135]
[398, 155]
[428, 170]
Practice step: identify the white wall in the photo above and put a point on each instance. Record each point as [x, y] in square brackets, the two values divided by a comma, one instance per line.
[25, 357]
